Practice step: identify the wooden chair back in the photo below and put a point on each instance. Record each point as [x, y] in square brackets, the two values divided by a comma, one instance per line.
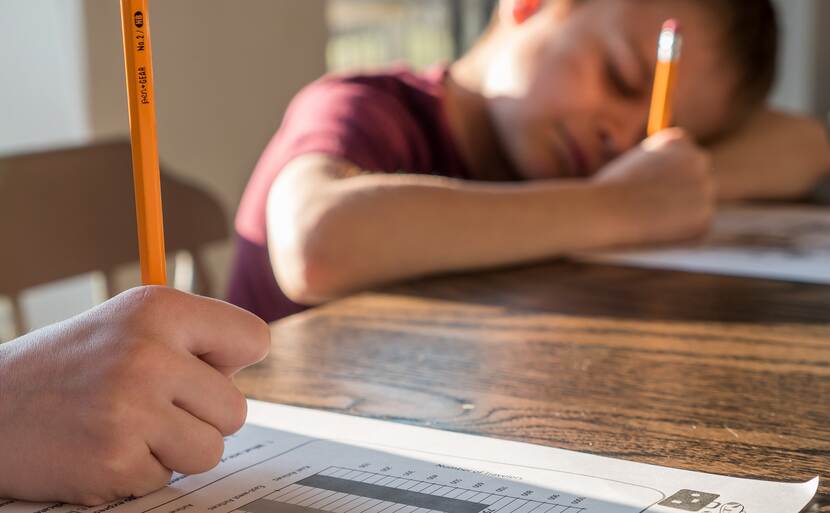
[71, 211]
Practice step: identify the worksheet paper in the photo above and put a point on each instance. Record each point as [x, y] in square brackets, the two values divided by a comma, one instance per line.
[773, 242]
[293, 460]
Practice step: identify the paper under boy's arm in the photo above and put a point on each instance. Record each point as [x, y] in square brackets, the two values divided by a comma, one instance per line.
[774, 156]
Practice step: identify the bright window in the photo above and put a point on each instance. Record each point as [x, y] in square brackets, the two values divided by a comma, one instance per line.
[374, 33]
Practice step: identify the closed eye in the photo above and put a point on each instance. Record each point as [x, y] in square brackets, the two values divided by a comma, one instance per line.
[619, 84]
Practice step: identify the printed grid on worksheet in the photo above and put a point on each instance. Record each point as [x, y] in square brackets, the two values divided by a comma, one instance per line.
[346, 490]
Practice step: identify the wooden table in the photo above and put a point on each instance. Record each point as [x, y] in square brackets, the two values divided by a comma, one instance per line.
[707, 373]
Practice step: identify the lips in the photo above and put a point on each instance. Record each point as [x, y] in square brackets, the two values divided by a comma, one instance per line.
[576, 156]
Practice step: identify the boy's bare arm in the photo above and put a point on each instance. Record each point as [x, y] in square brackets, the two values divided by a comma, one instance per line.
[333, 230]
[774, 156]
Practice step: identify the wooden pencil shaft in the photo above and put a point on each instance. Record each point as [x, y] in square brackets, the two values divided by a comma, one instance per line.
[668, 56]
[141, 101]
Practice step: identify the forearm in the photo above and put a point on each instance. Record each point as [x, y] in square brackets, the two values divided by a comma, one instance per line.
[775, 156]
[372, 229]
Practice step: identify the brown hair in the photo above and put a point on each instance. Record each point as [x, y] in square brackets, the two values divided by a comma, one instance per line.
[751, 35]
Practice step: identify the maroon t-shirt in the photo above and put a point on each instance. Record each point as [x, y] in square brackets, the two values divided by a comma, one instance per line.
[386, 122]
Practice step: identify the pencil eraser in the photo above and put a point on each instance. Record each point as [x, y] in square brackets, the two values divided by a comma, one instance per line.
[672, 25]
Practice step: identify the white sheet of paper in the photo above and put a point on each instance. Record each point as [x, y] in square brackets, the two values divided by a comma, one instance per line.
[293, 460]
[773, 242]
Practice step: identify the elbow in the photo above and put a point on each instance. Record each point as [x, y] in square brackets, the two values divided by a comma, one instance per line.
[308, 283]
[309, 238]
[307, 268]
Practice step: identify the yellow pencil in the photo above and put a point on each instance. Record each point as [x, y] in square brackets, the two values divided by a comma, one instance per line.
[138, 60]
[668, 58]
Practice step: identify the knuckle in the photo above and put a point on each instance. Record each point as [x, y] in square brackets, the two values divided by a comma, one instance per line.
[140, 487]
[117, 466]
[112, 462]
[151, 485]
[146, 300]
[111, 424]
[147, 353]
[137, 313]
[142, 368]
[678, 138]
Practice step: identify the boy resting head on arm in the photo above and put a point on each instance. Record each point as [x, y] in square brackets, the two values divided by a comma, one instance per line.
[528, 147]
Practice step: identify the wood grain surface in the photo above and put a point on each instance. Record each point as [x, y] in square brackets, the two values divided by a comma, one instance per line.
[698, 372]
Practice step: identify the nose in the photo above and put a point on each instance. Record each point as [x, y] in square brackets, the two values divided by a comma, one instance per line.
[609, 149]
[620, 131]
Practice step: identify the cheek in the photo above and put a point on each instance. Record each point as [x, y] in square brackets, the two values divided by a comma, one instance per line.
[569, 85]
[547, 80]
[512, 70]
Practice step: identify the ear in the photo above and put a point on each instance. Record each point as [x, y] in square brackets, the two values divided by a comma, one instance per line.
[518, 11]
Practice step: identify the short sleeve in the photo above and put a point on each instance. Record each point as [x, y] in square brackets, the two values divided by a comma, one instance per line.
[360, 120]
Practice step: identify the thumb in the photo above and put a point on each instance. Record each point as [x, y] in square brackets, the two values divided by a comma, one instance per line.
[224, 336]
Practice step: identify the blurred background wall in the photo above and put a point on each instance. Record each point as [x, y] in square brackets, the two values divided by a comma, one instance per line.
[804, 78]
[43, 86]
[226, 70]
[42, 105]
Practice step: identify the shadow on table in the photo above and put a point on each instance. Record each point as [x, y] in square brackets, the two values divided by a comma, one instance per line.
[821, 195]
[615, 291]
[582, 289]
